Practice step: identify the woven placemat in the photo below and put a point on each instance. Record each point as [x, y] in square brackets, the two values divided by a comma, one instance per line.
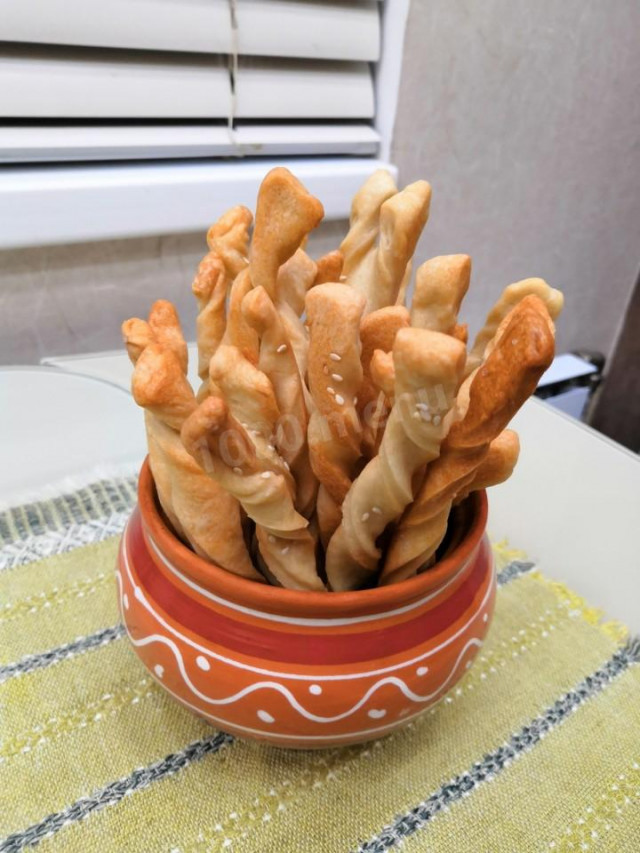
[537, 748]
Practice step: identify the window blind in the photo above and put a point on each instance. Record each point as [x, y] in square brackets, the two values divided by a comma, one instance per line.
[136, 79]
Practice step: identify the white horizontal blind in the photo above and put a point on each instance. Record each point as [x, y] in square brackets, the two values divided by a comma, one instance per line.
[120, 79]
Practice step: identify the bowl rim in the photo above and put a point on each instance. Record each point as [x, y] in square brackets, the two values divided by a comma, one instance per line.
[307, 603]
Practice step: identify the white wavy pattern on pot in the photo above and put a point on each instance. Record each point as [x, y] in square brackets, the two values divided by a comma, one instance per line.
[290, 675]
[288, 695]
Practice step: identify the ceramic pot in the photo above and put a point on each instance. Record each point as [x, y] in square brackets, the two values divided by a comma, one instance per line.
[302, 669]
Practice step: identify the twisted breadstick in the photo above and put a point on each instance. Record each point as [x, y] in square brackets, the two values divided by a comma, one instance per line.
[497, 466]
[251, 400]
[210, 289]
[137, 335]
[238, 332]
[428, 368]
[506, 379]
[159, 385]
[295, 277]
[165, 325]
[360, 242]
[335, 375]
[229, 239]
[378, 331]
[278, 363]
[285, 214]
[441, 284]
[402, 218]
[329, 267]
[200, 511]
[224, 450]
[511, 296]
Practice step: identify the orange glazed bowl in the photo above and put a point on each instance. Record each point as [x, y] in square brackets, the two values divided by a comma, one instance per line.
[302, 669]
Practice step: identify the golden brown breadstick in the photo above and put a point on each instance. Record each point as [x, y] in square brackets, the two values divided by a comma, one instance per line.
[201, 511]
[334, 312]
[229, 239]
[359, 244]
[277, 361]
[285, 214]
[428, 368]
[251, 400]
[329, 267]
[210, 289]
[383, 375]
[507, 378]
[137, 335]
[295, 277]
[497, 466]
[511, 296]
[165, 325]
[402, 218]
[159, 385]
[441, 284]
[378, 331]
[224, 450]
[404, 285]
[238, 332]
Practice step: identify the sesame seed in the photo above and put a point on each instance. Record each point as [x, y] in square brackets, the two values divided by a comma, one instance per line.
[265, 475]
[365, 516]
[325, 369]
[335, 357]
[282, 348]
[416, 415]
[376, 509]
[422, 406]
[336, 377]
[237, 471]
[436, 420]
[271, 538]
[355, 401]
[330, 390]
[246, 426]
[425, 416]
[285, 550]
[286, 464]
[339, 399]
[271, 448]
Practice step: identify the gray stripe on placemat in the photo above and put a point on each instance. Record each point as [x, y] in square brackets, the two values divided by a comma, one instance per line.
[113, 793]
[495, 762]
[91, 503]
[514, 570]
[43, 659]
[58, 541]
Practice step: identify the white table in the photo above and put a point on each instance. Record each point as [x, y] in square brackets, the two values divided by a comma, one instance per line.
[573, 503]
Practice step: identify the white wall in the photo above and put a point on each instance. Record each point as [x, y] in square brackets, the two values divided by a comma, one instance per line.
[525, 117]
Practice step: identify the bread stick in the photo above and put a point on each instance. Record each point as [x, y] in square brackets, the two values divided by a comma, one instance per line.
[277, 361]
[165, 325]
[497, 466]
[441, 285]
[329, 267]
[360, 243]
[378, 331]
[402, 219]
[228, 238]
[210, 289]
[428, 368]
[285, 214]
[222, 447]
[159, 385]
[511, 296]
[497, 390]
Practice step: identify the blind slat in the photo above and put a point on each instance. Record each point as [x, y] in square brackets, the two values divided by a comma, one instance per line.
[273, 89]
[122, 84]
[42, 144]
[287, 28]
